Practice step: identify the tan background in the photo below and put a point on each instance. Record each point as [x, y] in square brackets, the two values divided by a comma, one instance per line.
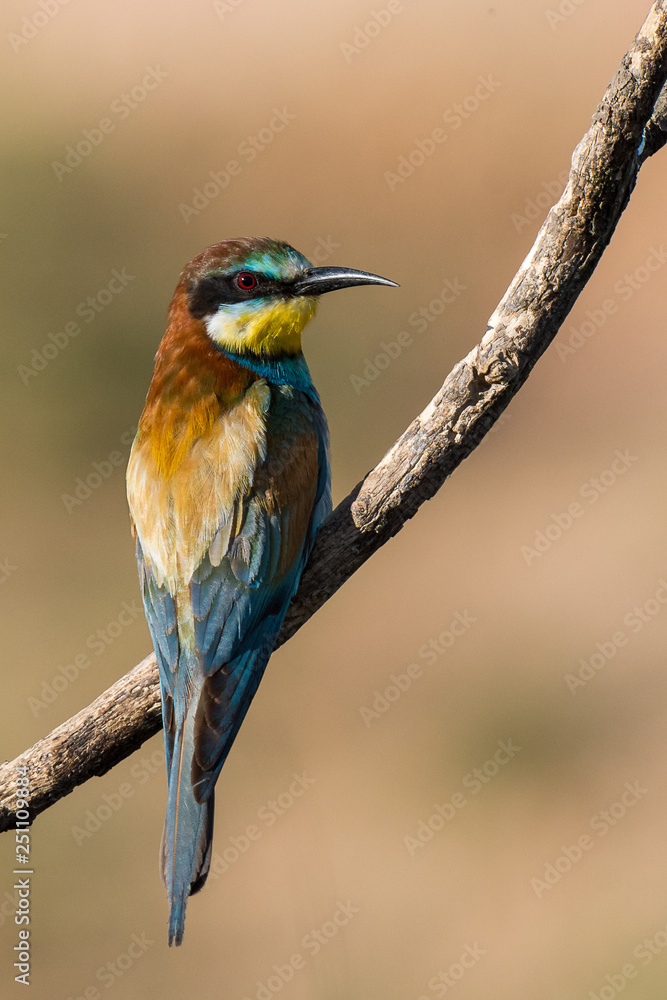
[66, 575]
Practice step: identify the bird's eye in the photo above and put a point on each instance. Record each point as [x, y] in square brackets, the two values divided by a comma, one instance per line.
[246, 280]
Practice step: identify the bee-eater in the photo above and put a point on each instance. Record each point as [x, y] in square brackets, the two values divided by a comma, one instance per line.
[228, 481]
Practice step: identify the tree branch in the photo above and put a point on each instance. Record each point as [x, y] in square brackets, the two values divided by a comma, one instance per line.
[568, 247]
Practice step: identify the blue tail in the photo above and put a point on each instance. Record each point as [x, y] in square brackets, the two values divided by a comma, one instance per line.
[188, 829]
[201, 724]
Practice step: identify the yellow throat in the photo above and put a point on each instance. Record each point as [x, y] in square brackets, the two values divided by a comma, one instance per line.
[262, 326]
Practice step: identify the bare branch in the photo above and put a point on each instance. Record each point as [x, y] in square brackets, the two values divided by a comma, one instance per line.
[568, 247]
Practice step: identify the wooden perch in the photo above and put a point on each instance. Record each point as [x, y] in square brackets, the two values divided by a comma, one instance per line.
[568, 247]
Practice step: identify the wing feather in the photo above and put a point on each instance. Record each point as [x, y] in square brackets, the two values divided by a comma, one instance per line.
[249, 569]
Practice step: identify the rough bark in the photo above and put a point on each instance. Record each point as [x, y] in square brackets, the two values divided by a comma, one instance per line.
[629, 125]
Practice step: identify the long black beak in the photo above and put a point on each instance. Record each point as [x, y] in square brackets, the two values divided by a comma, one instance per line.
[317, 280]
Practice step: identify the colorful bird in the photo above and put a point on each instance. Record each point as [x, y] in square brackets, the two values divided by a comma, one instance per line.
[228, 481]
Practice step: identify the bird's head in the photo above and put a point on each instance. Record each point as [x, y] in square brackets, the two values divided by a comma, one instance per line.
[255, 296]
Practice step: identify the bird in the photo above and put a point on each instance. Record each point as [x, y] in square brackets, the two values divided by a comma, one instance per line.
[228, 481]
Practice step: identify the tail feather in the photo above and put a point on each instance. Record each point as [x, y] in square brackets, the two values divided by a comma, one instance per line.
[188, 831]
[206, 716]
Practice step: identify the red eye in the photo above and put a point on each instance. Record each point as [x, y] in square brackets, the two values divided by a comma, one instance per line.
[246, 280]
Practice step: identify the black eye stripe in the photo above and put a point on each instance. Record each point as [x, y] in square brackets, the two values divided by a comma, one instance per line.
[213, 290]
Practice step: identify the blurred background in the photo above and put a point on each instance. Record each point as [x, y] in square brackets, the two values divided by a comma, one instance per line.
[453, 777]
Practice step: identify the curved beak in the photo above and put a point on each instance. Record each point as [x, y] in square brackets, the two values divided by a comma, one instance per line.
[317, 280]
